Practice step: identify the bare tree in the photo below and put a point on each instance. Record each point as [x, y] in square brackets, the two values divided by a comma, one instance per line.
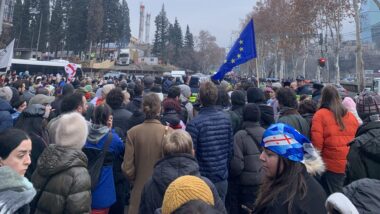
[359, 53]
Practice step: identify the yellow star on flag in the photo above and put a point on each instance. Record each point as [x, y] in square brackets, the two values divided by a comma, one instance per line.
[232, 60]
[238, 56]
[241, 42]
[241, 49]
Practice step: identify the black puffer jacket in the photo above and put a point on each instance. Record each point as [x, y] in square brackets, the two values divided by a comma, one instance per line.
[120, 118]
[68, 184]
[363, 160]
[245, 166]
[167, 170]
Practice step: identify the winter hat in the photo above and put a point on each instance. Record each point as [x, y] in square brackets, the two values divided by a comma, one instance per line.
[367, 104]
[69, 130]
[287, 142]
[268, 89]
[238, 98]
[88, 88]
[255, 95]
[185, 90]
[107, 88]
[41, 99]
[251, 112]
[349, 103]
[6, 93]
[183, 190]
[276, 85]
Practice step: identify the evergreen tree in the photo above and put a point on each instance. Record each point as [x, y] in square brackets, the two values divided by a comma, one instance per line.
[77, 26]
[189, 40]
[175, 41]
[95, 21]
[161, 35]
[125, 25]
[111, 31]
[57, 33]
[25, 34]
[17, 21]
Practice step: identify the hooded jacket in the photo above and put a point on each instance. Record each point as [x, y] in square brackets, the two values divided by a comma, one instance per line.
[167, 170]
[5, 115]
[63, 175]
[363, 160]
[172, 119]
[104, 194]
[16, 192]
[290, 116]
[245, 166]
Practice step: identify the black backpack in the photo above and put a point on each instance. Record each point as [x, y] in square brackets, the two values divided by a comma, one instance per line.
[96, 160]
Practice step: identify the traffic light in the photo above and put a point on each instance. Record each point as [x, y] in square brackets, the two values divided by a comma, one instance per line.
[322, 62]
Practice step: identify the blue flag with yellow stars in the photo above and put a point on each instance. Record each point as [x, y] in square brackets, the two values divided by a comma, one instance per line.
[243, 50]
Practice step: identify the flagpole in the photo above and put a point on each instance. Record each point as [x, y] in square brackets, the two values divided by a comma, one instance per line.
[256, 59]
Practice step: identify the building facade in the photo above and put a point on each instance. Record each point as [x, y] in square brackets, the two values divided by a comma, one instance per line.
[370, 18]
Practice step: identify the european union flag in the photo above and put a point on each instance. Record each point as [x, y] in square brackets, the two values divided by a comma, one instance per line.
[243, 50]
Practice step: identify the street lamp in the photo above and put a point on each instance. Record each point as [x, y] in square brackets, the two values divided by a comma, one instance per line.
[34, 11]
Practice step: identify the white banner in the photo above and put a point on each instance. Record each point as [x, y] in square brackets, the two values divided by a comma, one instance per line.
[6, 56]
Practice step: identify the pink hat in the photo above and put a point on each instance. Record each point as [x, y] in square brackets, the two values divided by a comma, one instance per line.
[349, 103]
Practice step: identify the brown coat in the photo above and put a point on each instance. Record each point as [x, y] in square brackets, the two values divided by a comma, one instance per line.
[143, 149]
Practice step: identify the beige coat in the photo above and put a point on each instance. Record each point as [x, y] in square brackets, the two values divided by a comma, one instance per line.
[143, 149]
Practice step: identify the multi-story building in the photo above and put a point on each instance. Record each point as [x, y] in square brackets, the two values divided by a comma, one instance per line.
[370, 16]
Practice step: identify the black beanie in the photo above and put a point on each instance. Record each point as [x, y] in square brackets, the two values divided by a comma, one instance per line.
[255, 95]
[251, 112]
[238, 98]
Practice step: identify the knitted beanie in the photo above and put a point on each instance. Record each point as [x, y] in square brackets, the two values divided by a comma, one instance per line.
[255, 95]
[69, 130]
[183, 190]
[251, 112]
[238, 98]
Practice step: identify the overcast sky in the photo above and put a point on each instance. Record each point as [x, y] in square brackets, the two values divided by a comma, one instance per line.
[222, 18]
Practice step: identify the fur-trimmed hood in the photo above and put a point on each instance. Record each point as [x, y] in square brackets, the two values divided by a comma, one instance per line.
[314, 163]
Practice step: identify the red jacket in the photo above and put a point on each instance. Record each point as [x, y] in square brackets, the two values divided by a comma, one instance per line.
[330, 140]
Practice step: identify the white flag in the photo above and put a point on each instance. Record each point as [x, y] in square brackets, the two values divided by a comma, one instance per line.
[6, 56]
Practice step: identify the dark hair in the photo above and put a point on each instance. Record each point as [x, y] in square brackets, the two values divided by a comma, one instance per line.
[31, 123]
[208, 94]
[223, 98]
[174, 92]
[290, 180]
[196, 207]
[255, 95]
[67, 89]
[156, 89]
[251, 112]
[18, 84]
[307, 106]
[18, 102]
[151, 106]
[101, 114]
[43, 91]
[11, 139]
[115, 98]
[331, 100]
[287, 97]
[72, 102]
[138, 90]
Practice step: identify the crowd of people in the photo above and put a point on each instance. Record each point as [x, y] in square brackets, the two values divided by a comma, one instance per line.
[98, 145]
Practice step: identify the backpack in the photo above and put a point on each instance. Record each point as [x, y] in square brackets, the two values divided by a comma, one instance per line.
[96, 160]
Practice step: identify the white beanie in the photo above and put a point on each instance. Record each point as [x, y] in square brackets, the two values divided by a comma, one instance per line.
[70, 130]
